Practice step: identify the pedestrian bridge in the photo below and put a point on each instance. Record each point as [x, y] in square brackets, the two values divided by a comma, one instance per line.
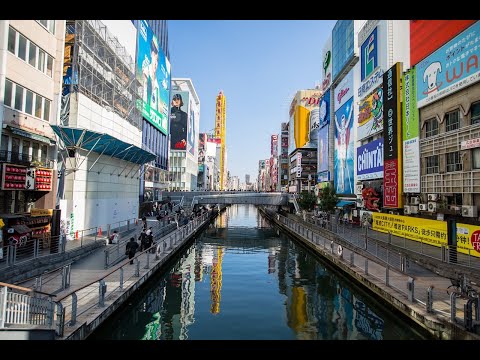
[229, 197]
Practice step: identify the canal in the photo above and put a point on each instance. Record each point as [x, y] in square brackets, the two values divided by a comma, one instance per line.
[243, 279]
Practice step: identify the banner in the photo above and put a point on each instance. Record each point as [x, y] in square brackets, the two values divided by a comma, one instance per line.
[179, 120]
[370, 160]
[392, 134]
[344, 153]
[410, 131]
[370, 114]
[322, 150]
[430, 232]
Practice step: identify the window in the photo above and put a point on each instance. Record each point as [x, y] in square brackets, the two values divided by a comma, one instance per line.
[35, 147]
[48, 25]
[432, 164]
[41, 60]
[452, 120]
[32, 55]
[38, 106]
[43, 156]
[476, 158]
[18, 97]
[15, 146]
[26, 148]
[431, 127]
[8, 93]
[453, 161]
[475, 113]
[46, 110]
[11, 40]
[22, 47]
[29, 102]
[49, 65]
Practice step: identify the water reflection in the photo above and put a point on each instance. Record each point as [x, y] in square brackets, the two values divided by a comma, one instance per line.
[241, 280]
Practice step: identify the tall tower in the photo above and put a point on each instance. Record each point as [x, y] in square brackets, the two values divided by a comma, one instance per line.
[220, 133]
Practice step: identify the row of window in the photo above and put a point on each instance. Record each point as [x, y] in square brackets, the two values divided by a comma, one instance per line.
[22, 99]
[36, 150]
[157, 142]
[452, 120]
[48, 24]
[29, 52]
[454, 162]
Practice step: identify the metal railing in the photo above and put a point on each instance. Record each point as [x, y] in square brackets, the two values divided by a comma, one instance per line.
[371, 257]
[112, 284]
[16, 157]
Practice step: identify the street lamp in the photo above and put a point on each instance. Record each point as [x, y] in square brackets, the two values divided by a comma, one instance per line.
[309, 179]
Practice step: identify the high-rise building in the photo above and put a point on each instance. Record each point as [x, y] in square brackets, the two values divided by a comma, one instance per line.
[31, 60]
[247, 179]
[283, 168]
[220, 133]
[184, 126]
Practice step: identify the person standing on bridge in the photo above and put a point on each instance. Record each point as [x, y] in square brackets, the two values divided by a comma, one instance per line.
[131, 249]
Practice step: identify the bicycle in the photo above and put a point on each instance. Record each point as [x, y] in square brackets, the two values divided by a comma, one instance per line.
[461, 289]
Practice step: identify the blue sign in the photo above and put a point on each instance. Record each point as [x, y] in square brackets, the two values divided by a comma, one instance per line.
[324, 109]
[344, 152]
[322, 150]
[450, 68]
[323, 176]
[368, 55]
[370, 160]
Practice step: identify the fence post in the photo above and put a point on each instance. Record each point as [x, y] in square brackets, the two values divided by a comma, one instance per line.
[60, 318]
[389, 237]
[106, 258]
[69, 272]
[429, 303]
[108, 231]
[411, 289]
[36, 248]
[453, 307]
[137, 268]
[128, 224]
[352, 254]
[366, 266]
[387, 275]
[64, 276]
[121, 278]
[403, 268]
[3, 305]
[102, 289]
[73, 320]
[147, 266]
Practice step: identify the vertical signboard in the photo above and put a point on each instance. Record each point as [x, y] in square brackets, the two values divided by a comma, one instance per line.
[392, 164]
[274, 145]
[410, 132]
[299, 164]
[153, 73]
[322, 154]
[368, 55]
[452, 67]
[179, 120]
[191, 129]
[327, 64]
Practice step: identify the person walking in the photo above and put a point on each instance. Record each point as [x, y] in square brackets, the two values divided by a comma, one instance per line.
[131, 249]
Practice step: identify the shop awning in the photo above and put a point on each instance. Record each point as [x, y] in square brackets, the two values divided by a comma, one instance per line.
[33, 136]
[102, 143]
[343, 203]
[21, 229]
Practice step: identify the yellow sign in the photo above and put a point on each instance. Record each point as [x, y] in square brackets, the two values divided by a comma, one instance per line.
[41, 212]
[2, 224]
[430, 232]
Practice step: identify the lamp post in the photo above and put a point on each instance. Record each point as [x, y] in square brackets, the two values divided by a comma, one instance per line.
[309, 179]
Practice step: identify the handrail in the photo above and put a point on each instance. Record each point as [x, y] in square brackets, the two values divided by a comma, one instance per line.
[21, 288]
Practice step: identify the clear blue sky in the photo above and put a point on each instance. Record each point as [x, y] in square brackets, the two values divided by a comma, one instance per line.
[259, 65]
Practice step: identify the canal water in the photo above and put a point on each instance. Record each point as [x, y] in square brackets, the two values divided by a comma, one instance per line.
[243, 279]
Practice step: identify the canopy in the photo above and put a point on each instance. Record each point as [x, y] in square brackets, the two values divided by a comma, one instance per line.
[102, 143]
[343, 203]
[17, 131]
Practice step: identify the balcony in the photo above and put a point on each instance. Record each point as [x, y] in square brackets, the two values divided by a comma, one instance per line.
[24, 159]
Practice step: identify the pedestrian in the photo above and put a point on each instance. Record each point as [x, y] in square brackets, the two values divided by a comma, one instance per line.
[149, 241]
[131, 249]
[143, 240]
[114, 237]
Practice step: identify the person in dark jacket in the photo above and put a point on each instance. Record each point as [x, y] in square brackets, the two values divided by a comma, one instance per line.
[131, 249]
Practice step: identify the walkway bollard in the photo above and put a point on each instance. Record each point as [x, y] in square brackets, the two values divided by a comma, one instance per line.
[121, 278]
[429, 303]
[411, 289]
[102, 289]
[60, 319]
[73, 319]
[147, 266]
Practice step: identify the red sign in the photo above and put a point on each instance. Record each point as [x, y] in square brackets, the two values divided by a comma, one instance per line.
[43, 179]
[475, 240]
[390, 183]
[426, 36]
[13, 177]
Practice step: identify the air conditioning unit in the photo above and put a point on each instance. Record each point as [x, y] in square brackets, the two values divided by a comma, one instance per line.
[406, 210]
[422, 207]
[414, 209]
[432, 207]
[432, 197]
[415, 200]
[469, 211]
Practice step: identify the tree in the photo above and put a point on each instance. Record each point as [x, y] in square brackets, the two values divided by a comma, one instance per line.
[328, 199]
[307, 200]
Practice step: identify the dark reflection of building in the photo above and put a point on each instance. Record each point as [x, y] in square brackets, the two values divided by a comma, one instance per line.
[198, 261]
[271, 260]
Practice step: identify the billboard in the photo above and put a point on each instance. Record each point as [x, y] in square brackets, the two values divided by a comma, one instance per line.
[179, 120]
[304, 111]
[192, 128]
[153, 73]
[327, 64]
[426, 36]
[324, 109]
[370, 114]
[452, 67]
[342, 45]
[431, 232]
[410, 131]
[392, 134]
[344, 91]
[370, 160]
[369, 55]
[322, 150]
[343, 155]
[274, 145]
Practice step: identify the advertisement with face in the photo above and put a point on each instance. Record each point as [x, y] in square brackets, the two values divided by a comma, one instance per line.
[192, 130]
[370, 114]
[179, 120]
[153, 73]
[322, 151]
[452, 67]
[343, 155]
[370, 160]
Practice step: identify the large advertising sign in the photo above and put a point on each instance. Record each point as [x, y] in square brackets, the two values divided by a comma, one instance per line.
[322, 150]
[305, 112]
[327, 64]
[291, 135]
[343, 155]
[274, 145]
[368, 55]
[426, 36]
[343, 43]
[452, 67]
[430, 232]
[153, 73]
[324, 109]
[370, 114]
[192, 129]
[370, 160]
[179, 120]
[344, 91]
[410, 131]
[392, 159]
